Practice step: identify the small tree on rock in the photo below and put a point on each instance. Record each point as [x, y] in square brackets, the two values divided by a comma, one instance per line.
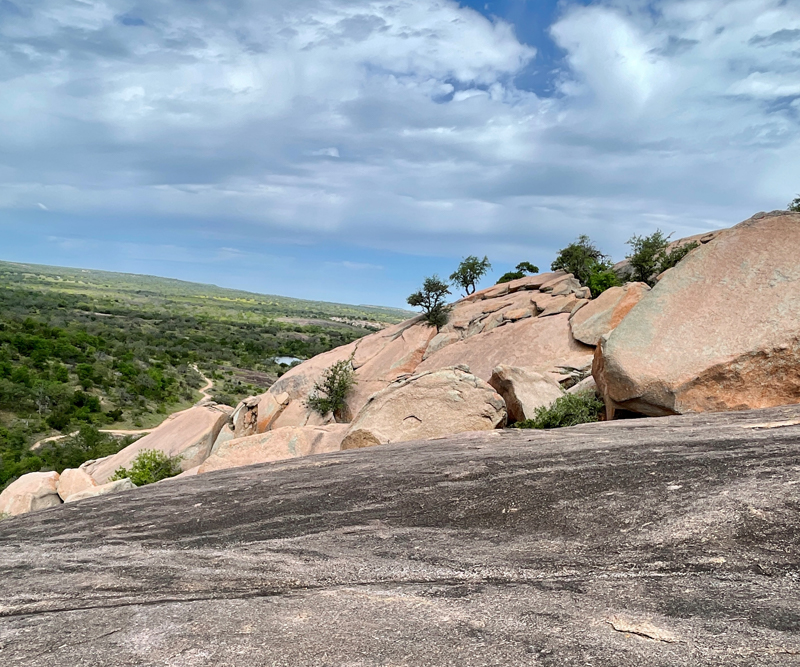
[329, 395]
[580, 258]
[431, 299]
[794, 205]
[522, 269]
[469, 272]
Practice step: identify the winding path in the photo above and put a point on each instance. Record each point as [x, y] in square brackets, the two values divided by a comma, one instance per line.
[204, 392]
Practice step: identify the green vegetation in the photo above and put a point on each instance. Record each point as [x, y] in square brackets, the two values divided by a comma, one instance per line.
[149, 466]
[16, 457]
[330, 393]
[523, 269]
[649, 256]
[469, 272]
[794, 205]
[601, 277]
[579, 258]
[431, 299]
[90, 348]
[591, 267]
[569, 410]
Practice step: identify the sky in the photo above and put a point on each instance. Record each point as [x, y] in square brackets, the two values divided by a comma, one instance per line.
[344, 150]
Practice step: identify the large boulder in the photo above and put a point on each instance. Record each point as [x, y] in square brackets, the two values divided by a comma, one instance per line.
[603, 315]
[524, 390]
[541, 343]
[74, 480]
[720, 331]
[283, 443]
[449, 400]
[189, 435]
[31, 492]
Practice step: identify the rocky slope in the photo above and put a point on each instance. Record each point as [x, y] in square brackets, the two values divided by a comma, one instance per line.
[667, 541]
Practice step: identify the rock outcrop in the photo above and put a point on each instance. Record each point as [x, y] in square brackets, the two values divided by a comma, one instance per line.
[668, 542]
[524, 391]
[31, 492]
[189, 434]
[284, 443]
[521, 323]
[601, 316]
[103, 489]
[428, 405]
[720, 331]
[72, 481]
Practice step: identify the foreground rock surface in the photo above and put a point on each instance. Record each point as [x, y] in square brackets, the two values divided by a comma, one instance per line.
[668, 541]
[189, 434]
[720, 331]
[428, 405]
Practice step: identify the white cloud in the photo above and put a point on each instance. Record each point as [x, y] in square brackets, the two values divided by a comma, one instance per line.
[677, 114]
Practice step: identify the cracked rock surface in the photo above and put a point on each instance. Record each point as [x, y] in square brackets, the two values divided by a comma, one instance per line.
[670, 541]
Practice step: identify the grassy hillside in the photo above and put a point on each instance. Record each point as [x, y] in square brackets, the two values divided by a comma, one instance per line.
[82, 348]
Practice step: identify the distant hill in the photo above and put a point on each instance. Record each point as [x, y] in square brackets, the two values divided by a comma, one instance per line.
[133, 289]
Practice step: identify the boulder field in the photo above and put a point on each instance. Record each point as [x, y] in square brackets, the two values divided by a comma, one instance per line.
[670, 541]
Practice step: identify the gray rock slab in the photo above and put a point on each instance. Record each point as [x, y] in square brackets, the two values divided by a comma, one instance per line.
[670, 541]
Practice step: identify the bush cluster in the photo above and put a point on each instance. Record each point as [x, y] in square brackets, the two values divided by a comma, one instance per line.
[149, 466]
[569, 410]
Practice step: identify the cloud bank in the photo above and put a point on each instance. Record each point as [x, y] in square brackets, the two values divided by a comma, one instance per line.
[398, 125]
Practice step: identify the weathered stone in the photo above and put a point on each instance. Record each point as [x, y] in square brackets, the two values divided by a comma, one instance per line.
[439, 341]
[561, 285]
[559, 304]
[517, 314]
[283, 443]
[31, 492]
[524, 390]
[72, 481]
[602, 315]
[104, 489]
[507, 547]
[534, 282]
[720, 331]
[226, 434]
[539, 343]
[587, 384]
[449, 400]
[245, 417]
[189, 435]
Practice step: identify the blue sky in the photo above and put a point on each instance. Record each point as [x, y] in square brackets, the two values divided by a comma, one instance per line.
[344, 150]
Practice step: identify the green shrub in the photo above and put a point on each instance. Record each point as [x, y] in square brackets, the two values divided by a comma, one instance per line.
[150, 465]
[601, 277]
[569, 410]
[649, 257]
[794, 205]
[330, 393]
[580, 258]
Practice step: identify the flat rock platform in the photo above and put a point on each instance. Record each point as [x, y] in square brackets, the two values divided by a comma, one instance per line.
[649, 542]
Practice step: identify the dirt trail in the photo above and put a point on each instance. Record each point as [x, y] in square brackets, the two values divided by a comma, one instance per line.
[207, 387]
[204, 392]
